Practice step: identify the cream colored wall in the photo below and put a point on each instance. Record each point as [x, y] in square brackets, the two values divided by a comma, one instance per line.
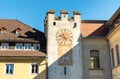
[22, 69]
[114, 39]
[96, 44]
[116, 72]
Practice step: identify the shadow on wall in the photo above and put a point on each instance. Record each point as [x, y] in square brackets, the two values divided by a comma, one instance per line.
[42, 74]
[69, 60]
[36, 36]
[65, 64]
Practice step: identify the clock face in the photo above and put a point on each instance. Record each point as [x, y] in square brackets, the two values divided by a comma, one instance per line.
[64, 36]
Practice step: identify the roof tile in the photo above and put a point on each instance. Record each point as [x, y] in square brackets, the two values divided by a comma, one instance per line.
[21, 53]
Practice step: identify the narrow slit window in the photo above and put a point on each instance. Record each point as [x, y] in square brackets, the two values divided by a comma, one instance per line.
[54, 23]
[64, 70]
[75, 25]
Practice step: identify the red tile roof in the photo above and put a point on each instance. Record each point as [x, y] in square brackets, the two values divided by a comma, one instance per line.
[21, 53]
[26, 32]
[93, 28]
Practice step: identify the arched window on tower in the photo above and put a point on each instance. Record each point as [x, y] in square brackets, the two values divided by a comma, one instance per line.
[117, 54]
[94, 59]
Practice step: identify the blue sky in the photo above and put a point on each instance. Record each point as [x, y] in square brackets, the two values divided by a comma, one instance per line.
[32, 12]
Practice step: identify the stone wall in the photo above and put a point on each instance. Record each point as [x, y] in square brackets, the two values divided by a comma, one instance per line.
[102, 45]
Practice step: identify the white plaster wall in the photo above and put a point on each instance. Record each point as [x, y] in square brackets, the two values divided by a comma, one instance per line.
[56, 71]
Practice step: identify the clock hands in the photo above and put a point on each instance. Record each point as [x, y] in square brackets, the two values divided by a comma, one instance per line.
[64, 36]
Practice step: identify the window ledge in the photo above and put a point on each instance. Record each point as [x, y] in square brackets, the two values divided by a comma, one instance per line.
[96, 69]
[8, 74]
[34, 73]
[116, 66]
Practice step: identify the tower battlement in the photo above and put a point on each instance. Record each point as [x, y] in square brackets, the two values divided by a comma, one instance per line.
[64, 20]
[64, 15]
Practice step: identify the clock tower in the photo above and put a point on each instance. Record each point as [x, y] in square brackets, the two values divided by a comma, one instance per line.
[63, 45]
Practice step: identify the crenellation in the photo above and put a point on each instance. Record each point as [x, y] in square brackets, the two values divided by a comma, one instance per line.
[57, 18]
[51, 12]
[76, 13]
[70, 18]
[64, 16]
[64, 12]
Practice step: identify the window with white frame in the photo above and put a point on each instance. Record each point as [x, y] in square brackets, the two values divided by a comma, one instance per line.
[27, 46]
[2, 31]
[19, 46]
[36, 46]
[34, 68]
[4, 45]
[9, 69]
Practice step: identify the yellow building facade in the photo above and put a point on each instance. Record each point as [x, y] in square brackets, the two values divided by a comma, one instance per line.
[114, 42]
[22, 53]
[23, 68]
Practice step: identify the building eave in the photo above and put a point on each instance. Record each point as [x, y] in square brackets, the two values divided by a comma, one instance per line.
[115, 15]
[113, 31]
[21, 57]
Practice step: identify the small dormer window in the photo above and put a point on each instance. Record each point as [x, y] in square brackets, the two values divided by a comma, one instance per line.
[17, 31]
[2, 31]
